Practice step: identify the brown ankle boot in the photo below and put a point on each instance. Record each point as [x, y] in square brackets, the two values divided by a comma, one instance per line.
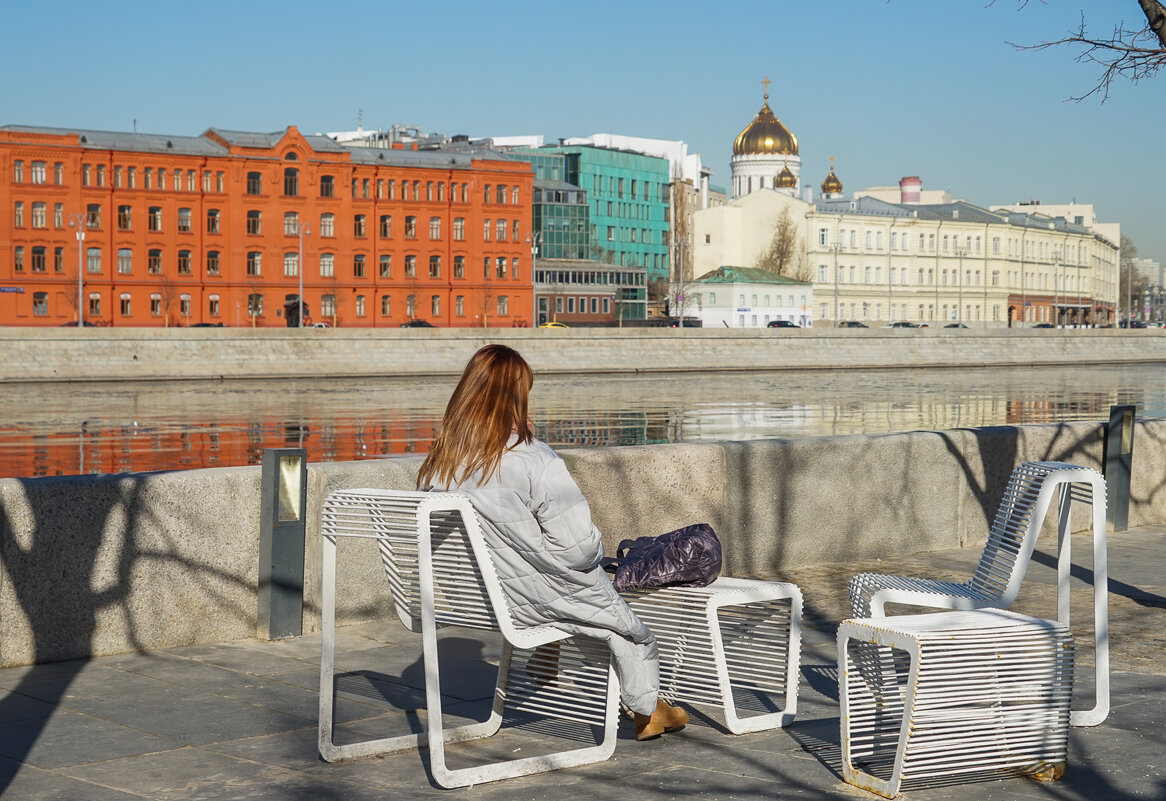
[665, 718]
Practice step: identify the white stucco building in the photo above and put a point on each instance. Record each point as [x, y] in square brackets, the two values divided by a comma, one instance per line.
[746, 297]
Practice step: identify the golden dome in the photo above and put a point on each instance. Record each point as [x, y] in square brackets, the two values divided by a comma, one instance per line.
[831, 186]
[765, 134]
[785, 179]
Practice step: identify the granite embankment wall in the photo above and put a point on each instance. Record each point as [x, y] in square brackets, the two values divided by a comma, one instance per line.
[69, 354]
[106, 564]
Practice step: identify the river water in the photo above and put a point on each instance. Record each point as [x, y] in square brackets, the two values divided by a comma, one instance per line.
[68, 429]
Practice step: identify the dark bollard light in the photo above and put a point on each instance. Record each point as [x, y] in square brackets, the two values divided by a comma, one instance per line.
[281, 543]
[1118, 461]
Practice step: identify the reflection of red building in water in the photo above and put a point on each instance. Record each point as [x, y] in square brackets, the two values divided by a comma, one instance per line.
[221, 229]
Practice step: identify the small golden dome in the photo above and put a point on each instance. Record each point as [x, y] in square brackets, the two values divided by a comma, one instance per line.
[765, 134]
[831, 186]
[785, 179]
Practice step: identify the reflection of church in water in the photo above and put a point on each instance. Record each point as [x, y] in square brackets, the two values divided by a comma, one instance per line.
[903, 253]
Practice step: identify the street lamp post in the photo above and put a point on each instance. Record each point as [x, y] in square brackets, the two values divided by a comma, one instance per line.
[78, 222]
[836, 246]
[303, 231]
[532, 239]
[959, 312]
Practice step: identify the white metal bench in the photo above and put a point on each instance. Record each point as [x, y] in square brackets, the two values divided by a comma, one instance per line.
[440, 572]
[734, 644]
[952, 696]
[996, 582]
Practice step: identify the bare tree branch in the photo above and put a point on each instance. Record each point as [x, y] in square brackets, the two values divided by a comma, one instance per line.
[1132, 54]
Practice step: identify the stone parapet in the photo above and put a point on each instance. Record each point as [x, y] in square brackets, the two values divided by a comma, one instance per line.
[107, 564]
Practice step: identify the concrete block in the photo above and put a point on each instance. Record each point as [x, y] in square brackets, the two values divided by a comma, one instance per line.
[642, 491]
[106, 564]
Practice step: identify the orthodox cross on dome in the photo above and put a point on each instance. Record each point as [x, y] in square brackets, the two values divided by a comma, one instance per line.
[831, 164]
[765, 82]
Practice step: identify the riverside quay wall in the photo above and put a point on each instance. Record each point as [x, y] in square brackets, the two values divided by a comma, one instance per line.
[94, 354]
[108, 564]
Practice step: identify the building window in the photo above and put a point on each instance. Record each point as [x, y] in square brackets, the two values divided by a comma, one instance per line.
[360, 305]
[411, 306]
[148, 178]
[327, 265]
[435, 305]
[254, 183]
[125, 304]
[58, 260]
[386, 305]
[212, 262]
[328, 305]
[291, 181]
[514, 231]
[390, 189]
[486, 230]
[38, 260]
[212, 221]
[18, 259]
[213, 305]
[327, 225]
[358, 266]
[161, 178]
[58, 215]
[18, 215]
[386, 226]
[123, 218]
[156, 305]
[93, 216]
[500, 266]
[254, 304]
[460, 306]
[385, 268]
[18, 171]
[514, 267]
[503, 305]
[39, 217]
[410, 266]
[154, 218]
[254, 221]
[94, 304]
[327, 186]
[291, 265]
[459, 266]
[358, 225]
[254, 263]
[501, 230]
[125, 261]
[184, 304]
[38, 172]
[184, 220]
[154, 261]
[40, 304]
[364, 187]
[459, 229]
[86, 174]
[410, 227]
[93, 260]
[184, 262]
[434, 228]
[435, 266]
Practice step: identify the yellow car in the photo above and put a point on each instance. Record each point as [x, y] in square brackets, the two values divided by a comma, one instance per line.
[553, 324]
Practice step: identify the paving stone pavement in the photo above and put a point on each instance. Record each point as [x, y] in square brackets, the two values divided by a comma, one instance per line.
[237, 720]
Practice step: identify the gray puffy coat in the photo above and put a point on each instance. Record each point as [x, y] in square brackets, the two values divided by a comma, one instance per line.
[547, 552]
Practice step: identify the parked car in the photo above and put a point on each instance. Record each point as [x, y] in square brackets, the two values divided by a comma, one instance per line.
[852, 324]
[418, 324]
[73, 324]
[321, 325]
[1044, 325]
[782, 324]
[902, 324]
[553, 324]
[955, 325]
[206, 325]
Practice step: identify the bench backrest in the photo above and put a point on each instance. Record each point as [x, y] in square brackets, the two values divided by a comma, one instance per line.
[466, 589]
[1028, 496]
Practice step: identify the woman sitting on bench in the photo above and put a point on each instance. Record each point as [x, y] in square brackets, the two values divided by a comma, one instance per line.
[538, 525]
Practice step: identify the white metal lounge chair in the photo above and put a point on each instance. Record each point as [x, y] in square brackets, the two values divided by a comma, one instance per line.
[440, 572]
[998, 576]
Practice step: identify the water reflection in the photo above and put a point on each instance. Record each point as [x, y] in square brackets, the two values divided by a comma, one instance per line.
[65, 429]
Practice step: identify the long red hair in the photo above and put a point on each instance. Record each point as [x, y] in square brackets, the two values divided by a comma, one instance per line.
[488, 405]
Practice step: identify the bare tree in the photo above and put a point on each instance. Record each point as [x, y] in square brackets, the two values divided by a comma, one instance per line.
[780, 257]
[1132, 285]
[1130, 53]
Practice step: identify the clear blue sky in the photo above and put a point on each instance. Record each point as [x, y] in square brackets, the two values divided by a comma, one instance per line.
[906, 87]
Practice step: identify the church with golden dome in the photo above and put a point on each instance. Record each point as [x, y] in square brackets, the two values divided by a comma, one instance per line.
[765, 155]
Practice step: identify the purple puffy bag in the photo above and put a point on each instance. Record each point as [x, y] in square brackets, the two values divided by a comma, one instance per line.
[687, 557]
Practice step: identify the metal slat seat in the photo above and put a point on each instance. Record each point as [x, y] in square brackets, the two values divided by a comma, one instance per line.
[734, 644]
[439, 571]
[952, 697]
[1029, 495]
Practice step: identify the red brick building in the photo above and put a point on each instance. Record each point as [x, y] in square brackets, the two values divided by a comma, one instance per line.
[221, 229]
